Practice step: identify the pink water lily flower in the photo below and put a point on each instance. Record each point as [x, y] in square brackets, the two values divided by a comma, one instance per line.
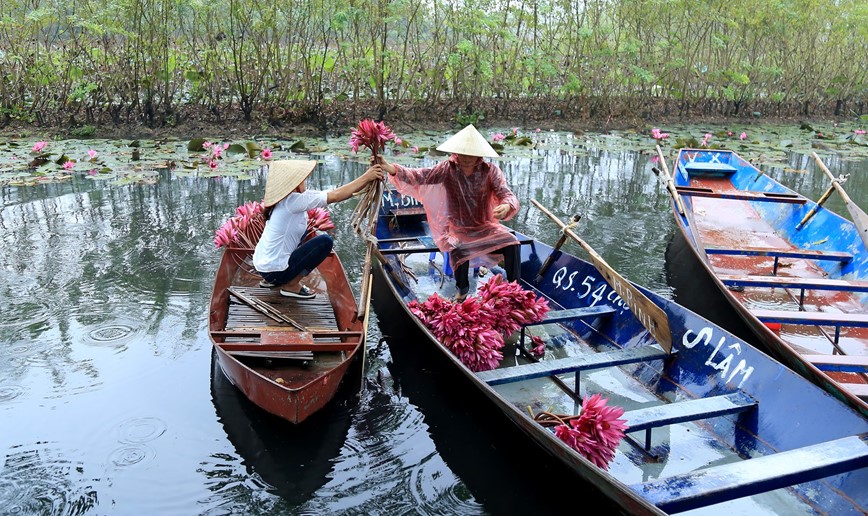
[498, 137]
[596, 433]
[742, 136]
[91, 154]
[859, 131]
[38, 146]
[69, 165]
[212, 164]
[415, 149]
[266, 153]
[372, 135]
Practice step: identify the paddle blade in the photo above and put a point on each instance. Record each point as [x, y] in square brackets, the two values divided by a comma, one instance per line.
[860, 219]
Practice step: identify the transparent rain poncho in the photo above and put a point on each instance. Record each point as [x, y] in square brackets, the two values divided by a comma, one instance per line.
[460, 208]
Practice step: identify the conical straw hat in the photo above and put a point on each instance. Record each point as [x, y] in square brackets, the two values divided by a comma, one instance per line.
[469, 142]
[283, 177]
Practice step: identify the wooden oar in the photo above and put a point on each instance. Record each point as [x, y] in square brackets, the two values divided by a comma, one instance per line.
[820, 202]
[551, 257]
[859, 216]
[670, 185]
[649, 314]
[265, 308]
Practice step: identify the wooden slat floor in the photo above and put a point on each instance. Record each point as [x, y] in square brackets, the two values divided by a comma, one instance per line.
[312, 313]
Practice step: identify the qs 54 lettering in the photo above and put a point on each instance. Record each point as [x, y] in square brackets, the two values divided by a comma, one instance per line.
[589, 286]
[722, 357]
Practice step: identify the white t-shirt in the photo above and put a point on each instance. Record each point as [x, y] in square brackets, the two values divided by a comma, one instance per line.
[284, 230]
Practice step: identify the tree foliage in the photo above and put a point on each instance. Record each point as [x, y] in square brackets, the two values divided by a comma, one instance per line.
[91, 61]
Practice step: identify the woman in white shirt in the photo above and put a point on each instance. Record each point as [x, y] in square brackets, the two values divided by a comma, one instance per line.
[282, 255]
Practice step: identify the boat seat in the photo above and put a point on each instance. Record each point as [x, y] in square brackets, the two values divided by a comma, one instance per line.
[575, 364]
[427, 245]
[837, 320]
[689, 410]
[858, 389]
[719, 484]
[809, 254]
[571, 314]
[739, 195]
[840, 363]
[707, 167]
[802, 284]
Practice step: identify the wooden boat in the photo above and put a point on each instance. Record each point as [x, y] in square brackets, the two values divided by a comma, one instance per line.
[287, 356]
[714, 424]
[794, 271]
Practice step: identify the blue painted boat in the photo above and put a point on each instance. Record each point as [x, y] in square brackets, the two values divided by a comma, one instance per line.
[794, 271]
[714, 424]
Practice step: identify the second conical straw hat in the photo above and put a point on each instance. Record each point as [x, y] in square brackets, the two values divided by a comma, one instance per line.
[469, 142]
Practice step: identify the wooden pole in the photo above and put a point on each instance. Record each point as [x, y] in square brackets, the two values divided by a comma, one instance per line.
[813, 211]
[646, 311]
[551, 257]
[860, 219]
[670, 185]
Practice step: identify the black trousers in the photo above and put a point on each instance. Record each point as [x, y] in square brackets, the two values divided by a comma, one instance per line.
[511, 262]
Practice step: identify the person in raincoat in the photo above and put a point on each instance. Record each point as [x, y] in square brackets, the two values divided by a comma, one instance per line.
[465, 200]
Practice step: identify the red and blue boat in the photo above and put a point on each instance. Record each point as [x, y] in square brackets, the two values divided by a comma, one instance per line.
[795, 271]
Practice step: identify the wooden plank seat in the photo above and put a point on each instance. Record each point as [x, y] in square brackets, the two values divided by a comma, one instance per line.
[407, 212]
[802, 284]
[839, 363]
[812, 254]
[718, 484]
[837, 320]
[571, 314]
[689, 410]
[707, 167]
[694, 191]
[858, 389]
[575, 364]
[427, 245]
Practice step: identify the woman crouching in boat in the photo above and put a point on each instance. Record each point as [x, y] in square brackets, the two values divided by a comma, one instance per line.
[283, 255]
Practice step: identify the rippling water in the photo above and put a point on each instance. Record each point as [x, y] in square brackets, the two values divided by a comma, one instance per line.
[110, 401]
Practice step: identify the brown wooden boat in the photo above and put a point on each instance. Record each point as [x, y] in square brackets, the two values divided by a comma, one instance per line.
[287, 356]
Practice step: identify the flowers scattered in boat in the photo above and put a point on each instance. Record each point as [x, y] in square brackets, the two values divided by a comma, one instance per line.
[474, 329]
[243, 229]
[372, 135]
[595, 433]
[319, 219]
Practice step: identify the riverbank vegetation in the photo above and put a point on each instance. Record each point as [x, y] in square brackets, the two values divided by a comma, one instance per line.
[85, 64]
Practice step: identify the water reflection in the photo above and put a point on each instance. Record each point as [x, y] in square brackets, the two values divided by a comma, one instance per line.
[105, 399]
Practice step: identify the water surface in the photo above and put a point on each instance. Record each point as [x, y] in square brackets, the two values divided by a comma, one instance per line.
[110, 402]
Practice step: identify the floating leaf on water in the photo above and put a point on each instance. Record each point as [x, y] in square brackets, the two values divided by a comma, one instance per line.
[253, 149]
[135, 144]
[236, 148]
[195, 145]
[298, 147]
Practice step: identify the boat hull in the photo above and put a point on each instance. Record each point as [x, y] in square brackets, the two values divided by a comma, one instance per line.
[286, 356]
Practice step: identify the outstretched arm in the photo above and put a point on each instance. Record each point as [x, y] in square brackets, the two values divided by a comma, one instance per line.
[346, 191]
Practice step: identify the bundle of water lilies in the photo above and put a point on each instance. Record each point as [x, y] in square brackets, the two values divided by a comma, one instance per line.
[474, 329]
[372, 135]
[243, 229]
[319, 219]
[595, 432]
